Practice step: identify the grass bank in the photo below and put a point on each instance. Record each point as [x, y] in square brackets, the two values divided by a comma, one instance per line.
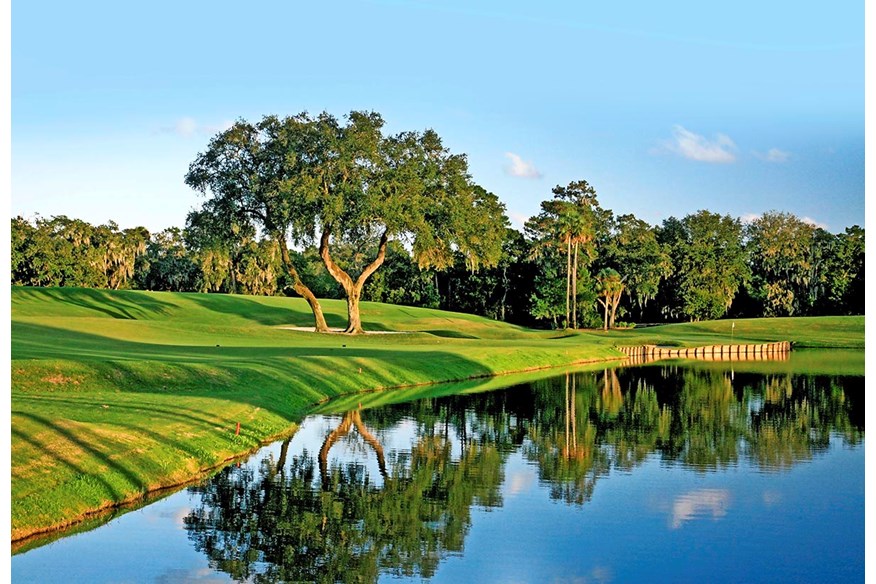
[821, 332]
[116, 394]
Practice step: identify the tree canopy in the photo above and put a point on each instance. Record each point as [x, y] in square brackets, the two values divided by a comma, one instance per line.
[633, 250]
[709, 262]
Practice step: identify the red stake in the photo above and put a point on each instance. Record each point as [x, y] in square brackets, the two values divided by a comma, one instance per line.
[237, 432]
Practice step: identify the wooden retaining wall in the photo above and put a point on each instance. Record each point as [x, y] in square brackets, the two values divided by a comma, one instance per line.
[758, 352]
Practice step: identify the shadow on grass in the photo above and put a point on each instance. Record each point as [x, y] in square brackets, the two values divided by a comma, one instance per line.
[110, 446]
[283, 381]
[179, 414]
[450, 334]
[120, 304]
[77, 440]
[37, 341]
[251, 309]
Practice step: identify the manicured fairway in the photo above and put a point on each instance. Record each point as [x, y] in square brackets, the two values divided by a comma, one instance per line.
[115, 394]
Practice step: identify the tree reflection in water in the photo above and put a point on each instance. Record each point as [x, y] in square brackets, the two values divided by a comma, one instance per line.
[273, 525]
[314, 520]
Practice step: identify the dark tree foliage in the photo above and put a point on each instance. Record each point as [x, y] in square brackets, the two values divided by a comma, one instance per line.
[708, 265]
[549, 290]
[167, 265]
[780, 255]
[501, 292]
[314, 180]
[571, 223]
[630, 247]
[842, 272]
[401, 281]
[216, 237]
[249, 175]
[277, 526]
[799, 269]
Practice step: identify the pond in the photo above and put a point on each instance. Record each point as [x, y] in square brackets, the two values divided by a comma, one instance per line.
[675, 471]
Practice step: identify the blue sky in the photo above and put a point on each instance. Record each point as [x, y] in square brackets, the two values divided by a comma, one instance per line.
[666, 108]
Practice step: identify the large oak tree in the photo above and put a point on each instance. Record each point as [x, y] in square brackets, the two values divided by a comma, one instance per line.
[781, 256]
[247, 172]
[312, 178]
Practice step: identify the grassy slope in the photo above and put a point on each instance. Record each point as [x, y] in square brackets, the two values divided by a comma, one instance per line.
[119, 393]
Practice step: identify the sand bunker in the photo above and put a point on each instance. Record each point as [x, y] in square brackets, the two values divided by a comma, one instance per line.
[310, 329]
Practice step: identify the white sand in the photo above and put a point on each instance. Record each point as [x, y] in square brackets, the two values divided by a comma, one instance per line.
[310, 329]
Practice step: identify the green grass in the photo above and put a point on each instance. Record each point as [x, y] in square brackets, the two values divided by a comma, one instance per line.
[118, 393]
[822, 332]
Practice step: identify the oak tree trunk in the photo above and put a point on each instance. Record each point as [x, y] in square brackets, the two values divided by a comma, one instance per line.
[284, 451]
[353, 290]
[354, 321]
[350, 419]
[372, 441]
[342, 430]
[301, 289]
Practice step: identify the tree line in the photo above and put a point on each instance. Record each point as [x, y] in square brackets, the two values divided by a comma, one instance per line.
[311, 206]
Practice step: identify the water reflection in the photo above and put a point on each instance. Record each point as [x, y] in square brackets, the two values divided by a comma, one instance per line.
[700, 503]
[333, 518]
[271, 524]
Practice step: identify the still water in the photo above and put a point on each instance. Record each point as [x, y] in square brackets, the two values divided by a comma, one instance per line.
[669, 472]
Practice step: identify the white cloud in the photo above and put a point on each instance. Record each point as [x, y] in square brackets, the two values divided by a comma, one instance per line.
[696, 147]
[187, 127]
[216, 128]
[521, 168]
[750, 217]
[517, 219]
[813, 222]
[773, 155]
[520, 482]
[771, 498]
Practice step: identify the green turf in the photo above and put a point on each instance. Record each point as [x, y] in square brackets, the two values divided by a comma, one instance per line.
[118, 393]
[821, 332]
